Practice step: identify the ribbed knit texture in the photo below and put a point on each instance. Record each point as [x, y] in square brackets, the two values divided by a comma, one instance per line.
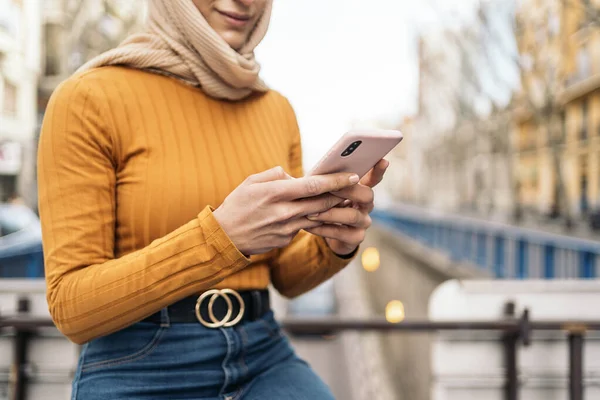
[130, 167]
[180, 42]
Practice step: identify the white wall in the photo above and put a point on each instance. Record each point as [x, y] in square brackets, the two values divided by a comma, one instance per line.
[22, 67]
[21, 50]
[469, 365]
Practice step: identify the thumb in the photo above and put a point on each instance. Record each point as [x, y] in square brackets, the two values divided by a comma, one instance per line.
[375, 175]
[273, 174]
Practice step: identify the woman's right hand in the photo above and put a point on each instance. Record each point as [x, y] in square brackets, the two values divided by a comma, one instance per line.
[268, 209]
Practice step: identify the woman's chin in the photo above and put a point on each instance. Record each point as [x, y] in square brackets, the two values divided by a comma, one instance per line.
[234, 39]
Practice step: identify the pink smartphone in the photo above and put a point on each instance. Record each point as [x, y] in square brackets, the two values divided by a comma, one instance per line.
[357, 151]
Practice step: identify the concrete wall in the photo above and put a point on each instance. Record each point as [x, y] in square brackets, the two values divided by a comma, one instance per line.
[409, 272]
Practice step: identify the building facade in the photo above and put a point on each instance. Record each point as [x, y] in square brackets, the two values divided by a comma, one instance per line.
[581, 101]
[41, 44]
[457, 148]
[20, 49]
[557, 112]
[76, 31]
[414, 174]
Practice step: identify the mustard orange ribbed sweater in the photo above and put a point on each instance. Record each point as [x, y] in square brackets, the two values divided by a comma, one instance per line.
[130, 165]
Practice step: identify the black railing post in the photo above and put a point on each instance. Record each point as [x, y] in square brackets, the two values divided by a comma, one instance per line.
[18, 379]
[509, 341]
[576, 363]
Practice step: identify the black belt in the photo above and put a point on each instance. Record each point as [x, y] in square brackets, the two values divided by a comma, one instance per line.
[227, 309]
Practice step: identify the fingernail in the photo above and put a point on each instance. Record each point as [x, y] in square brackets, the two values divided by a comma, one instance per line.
[311, 216]
[354, 179]
[386, 164]
[346, 203]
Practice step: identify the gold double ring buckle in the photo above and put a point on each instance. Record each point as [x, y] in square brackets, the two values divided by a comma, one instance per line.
[214, 295]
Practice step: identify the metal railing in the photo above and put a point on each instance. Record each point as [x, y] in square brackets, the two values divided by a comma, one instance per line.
[21, 254]
[503, 250]
[513, 331]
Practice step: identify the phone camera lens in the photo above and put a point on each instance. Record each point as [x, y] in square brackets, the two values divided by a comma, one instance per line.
[350, 149]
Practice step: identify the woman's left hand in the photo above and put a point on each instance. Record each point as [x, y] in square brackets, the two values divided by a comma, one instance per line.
[344, 227]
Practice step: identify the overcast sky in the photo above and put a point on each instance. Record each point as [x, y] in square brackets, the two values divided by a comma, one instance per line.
[349, 61]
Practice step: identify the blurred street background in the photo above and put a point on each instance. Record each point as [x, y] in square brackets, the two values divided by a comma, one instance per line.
[490, 210]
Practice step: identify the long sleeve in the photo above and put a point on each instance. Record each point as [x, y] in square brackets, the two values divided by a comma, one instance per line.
[307, 261]
[90, 292]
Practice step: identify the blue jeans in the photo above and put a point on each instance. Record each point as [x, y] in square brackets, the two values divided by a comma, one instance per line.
[148, 361]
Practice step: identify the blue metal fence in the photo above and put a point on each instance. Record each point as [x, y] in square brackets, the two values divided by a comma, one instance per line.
[30, 265]
[21, 254]
[505, 251]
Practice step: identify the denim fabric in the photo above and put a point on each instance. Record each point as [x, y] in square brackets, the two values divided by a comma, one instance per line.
[148, 361]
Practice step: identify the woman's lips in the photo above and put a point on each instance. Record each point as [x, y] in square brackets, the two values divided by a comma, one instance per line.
[235, 19]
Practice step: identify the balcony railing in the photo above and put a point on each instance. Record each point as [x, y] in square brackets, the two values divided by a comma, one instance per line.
[528, 146]
[580, 84]
[576, 78]
[512, 332]
[557, 140]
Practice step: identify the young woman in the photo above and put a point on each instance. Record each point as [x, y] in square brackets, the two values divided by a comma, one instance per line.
[167, 294]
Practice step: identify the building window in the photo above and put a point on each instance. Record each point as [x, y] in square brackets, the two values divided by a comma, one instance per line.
[9, 99]
[584, 119]
[53, 49]
[553, 24]
[583, 63]
[534, 177]
[583, 186]
[8, 187]
[527, 62]
[563, 126]
[587, 13]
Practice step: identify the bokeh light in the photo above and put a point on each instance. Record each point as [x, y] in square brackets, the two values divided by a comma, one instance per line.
[394, 311]
[370, 259]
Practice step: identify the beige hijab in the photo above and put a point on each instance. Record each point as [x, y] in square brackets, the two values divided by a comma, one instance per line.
[180, 42]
